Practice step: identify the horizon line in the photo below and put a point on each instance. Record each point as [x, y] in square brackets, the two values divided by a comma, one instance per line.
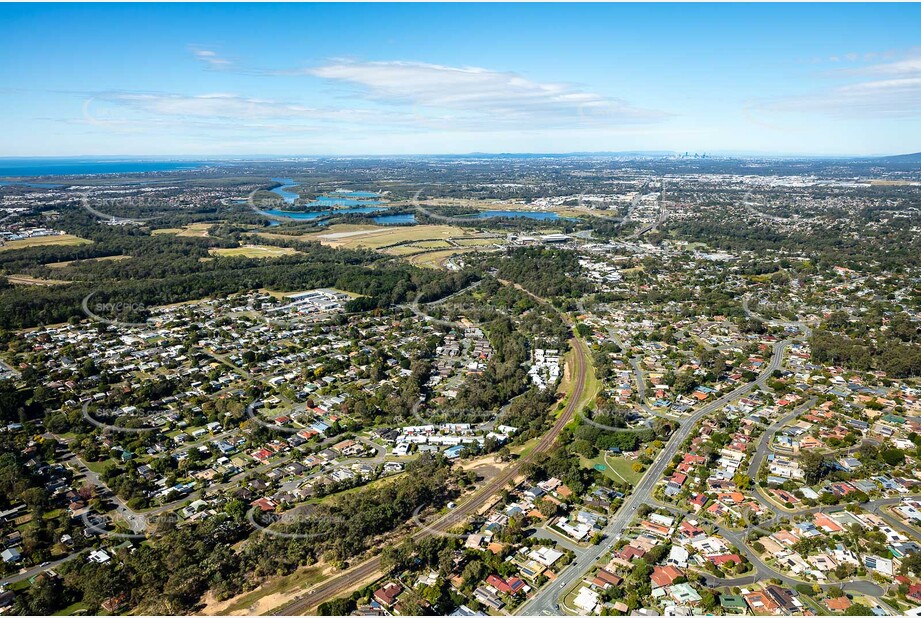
[574, 153]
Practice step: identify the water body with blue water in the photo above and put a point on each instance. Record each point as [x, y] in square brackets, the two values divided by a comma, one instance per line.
[78, 166]
[286, 183]
[319, 214]
[354, 202]
[360, 202]
[31, 185]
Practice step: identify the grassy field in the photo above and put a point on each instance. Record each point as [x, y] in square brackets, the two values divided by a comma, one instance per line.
[403, 250]
[523, 450]
[44, 241]
[433, 259]
[423, 247]
[73, 609]
[351, 236]
[27, 280]
[196, 230]
[302, 578]
[619, 468]
[254, 251]
[377, 237]
[892, 183]
[592, 385]
[572, 210]
[477, 242]
[413, 243]
[433, 244]
[98, 466]
[110, 258]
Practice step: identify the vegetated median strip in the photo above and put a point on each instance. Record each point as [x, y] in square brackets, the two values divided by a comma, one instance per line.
[654, 472]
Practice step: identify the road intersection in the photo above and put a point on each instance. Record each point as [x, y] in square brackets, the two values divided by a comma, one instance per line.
[546, 600]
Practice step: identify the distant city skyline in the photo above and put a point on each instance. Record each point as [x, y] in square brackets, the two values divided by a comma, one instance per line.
[384, 79]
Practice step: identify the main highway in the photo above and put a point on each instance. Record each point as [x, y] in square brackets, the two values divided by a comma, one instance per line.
[546, 601]
[370, 569]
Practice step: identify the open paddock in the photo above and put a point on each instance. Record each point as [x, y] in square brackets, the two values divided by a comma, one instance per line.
[435, 259]
[194, 230]
[109, 258]
[44, 241]
[254, 251]
[26, 280]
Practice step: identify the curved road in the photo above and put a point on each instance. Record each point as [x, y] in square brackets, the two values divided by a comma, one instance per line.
[545, 601]
[371, 568]
[762, 570]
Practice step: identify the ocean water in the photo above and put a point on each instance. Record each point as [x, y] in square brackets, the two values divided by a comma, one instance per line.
[71, 166]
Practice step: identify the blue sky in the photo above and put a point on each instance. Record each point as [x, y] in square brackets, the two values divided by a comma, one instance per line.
[173, 79]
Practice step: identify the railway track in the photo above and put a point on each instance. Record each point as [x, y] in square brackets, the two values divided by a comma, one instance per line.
[371, 568]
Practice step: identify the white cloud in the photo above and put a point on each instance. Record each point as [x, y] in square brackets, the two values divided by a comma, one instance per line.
[493, 97]
[906, 66]
[394, 98]
[215, 105]
[880, 98]
[228, 112]
[887, 89]
[211, 59]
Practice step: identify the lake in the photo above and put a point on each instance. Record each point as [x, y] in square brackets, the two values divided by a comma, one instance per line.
[358, 194]
[333, 200]
[357, 203]
[318, 214]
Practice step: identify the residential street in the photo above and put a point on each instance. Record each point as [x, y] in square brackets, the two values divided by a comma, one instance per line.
[546, 600]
